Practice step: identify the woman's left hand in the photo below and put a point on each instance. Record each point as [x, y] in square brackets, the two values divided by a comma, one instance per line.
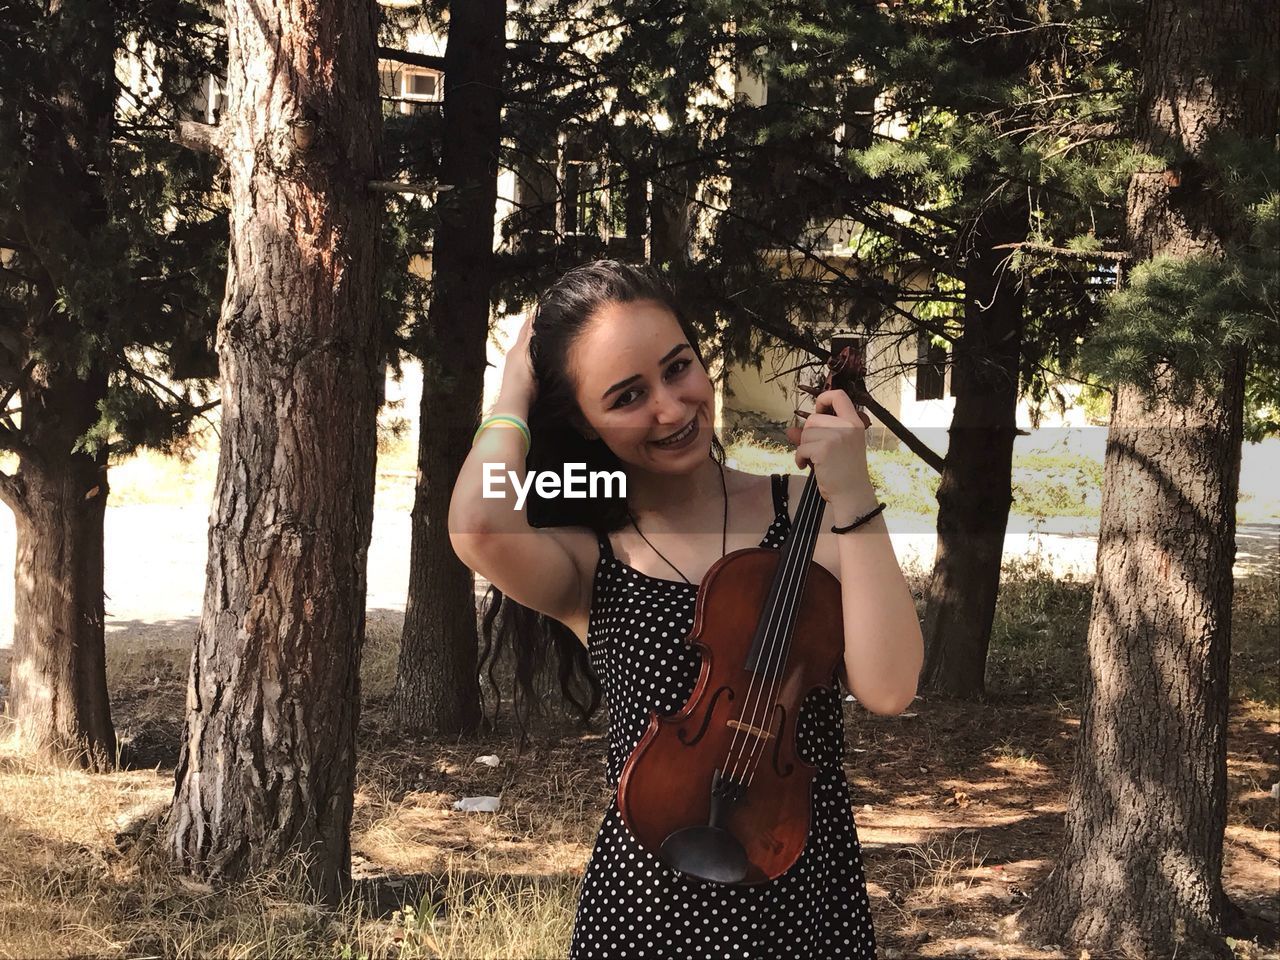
[833, 439]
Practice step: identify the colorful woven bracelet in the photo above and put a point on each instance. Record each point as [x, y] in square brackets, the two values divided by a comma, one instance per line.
[508, 420]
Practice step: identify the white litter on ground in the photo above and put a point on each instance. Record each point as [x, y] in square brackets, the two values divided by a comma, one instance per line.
[477, 804]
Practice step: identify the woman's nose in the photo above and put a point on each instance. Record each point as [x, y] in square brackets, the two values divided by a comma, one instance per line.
[668, 407]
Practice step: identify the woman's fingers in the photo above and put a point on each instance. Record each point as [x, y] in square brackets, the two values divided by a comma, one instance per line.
[837, 402]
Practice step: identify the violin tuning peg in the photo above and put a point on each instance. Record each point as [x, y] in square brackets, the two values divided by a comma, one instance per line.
[811, 391]
[802, 414]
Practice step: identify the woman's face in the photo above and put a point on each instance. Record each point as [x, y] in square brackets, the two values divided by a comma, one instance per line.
[641, 388]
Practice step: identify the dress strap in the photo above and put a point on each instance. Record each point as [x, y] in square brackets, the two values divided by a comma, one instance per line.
[780, 493]
[606, 548]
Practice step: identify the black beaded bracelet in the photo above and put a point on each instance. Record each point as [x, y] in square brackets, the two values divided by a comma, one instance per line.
[860, 521]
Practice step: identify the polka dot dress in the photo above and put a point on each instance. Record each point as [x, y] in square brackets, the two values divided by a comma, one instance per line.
[632, 905]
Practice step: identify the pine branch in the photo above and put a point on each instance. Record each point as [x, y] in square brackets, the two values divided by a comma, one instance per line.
[200, 137]
[11, 490]
[799, 341]
[11, 440]
[413, 59]
[1048, 250]
[14, 387]
[396, 186]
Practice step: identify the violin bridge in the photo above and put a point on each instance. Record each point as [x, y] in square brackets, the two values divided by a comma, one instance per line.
[748, 728]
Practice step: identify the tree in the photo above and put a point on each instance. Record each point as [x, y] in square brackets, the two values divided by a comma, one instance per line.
[1003, 134]
[1141, 867]
[109, 251]
[437, 687]
[268, 756]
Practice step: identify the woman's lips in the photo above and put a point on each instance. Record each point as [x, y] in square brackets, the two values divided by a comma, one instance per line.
[691, 426]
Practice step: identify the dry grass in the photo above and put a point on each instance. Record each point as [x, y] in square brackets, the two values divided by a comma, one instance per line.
[83, 874]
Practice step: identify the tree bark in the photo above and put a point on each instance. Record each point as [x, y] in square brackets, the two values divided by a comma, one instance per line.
[58, 684]
[437, 687]
[268, 756]
[976, 489]
[1141, 867]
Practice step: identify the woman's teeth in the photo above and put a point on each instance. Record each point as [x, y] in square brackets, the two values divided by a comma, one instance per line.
[682, 435]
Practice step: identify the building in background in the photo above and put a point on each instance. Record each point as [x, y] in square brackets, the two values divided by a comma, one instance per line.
[573, 190]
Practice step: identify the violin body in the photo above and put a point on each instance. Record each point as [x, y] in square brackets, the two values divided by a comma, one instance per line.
[729, 757]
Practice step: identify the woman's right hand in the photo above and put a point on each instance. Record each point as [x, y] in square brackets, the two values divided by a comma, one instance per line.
[517, 373]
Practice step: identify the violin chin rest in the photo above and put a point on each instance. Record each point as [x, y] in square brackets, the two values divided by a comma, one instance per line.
[708, 853]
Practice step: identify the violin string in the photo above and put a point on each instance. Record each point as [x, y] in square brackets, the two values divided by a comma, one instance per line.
[777, 643]
[796, 576]
[786, 577]
[755, 685]
[800, 576]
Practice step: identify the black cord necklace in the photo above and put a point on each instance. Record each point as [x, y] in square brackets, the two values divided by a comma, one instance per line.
[724, 532]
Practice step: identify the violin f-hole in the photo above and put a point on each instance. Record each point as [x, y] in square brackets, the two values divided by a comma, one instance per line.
[706, 719]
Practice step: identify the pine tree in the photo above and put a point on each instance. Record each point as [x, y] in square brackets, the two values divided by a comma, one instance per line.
[1006, 143]
[437, 686]
[110, 256]
[267, 765]
[1141, 868]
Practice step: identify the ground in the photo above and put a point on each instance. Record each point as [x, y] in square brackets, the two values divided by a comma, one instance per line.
[959, 810]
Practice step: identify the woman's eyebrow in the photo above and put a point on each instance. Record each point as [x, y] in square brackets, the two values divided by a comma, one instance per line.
[635, 376]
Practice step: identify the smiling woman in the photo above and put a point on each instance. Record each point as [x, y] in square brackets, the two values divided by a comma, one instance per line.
[610, 375]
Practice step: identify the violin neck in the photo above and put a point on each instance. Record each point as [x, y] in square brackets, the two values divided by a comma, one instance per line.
[779, 614]
[803, 538]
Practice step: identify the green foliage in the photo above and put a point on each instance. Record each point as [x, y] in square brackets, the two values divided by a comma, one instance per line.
[114, 238]
[893, 129]
[1187, 313]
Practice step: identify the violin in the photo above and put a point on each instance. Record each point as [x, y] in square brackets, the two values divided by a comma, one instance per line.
[717, 790]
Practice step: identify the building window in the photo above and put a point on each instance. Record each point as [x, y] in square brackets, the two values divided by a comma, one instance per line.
[418, 87]
[585, 194]
[422, 85]
[931, 368]
[858, 118]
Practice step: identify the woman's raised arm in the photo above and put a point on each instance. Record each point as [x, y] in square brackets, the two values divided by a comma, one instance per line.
[543, 569]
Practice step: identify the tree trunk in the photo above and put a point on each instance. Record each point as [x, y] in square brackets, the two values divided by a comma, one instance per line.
[268, 756]
[1141, 867]
[437, 689]
[671, 221]
[976, 488]
[58, 687]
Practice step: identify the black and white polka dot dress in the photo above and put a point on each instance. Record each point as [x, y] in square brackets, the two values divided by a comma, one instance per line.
[631, 904]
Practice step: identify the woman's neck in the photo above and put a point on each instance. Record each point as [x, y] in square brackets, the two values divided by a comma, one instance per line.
[676, 498]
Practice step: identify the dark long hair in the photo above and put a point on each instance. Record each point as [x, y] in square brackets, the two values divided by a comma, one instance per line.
[539, 644]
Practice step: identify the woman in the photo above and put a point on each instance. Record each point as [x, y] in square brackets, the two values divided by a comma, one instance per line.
[609, 373]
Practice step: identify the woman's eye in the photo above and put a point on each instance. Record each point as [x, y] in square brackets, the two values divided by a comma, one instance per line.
[674, 370]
